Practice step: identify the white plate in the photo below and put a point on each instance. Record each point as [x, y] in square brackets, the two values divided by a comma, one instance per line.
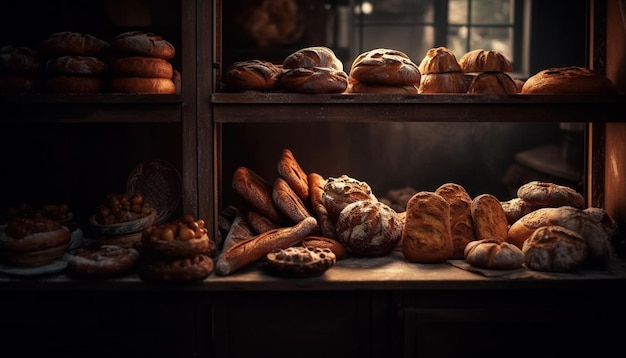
[54, 267]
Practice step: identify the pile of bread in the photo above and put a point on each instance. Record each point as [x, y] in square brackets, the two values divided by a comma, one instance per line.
[317, 70]
[545, 228]
[71, 62]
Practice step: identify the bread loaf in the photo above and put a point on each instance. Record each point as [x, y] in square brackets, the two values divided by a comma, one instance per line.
[568, 80]
[515, 208]
[142, 43]
[489, 219]
[447, 82]
[256, 192]
[316, 191]
[253, 75]
[290, 170]
[386, 67]
[73, 44]
[314, 80]
[546, 194]
[480, 60]
[426, 236]
[341, 191]
[461, 224]
[142, 85]
[439, 60]
[141, 66]
[493, 254]
[312, 57]
[555, 249]
[258, 222]
[253, 249]
[287, 202]
[492, 83]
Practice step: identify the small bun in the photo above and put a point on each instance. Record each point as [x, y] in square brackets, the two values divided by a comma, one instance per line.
[493, 83]
[568, 80]
[386, 67]
[310, 57]
[439, 60]
[314, 80]
[493, 254]
[253, 75]
[485, 61]
[369, 228]
[554, 248]
[140, 43]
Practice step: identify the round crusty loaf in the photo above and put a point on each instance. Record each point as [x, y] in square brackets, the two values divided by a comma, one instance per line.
[141, 43]
[493, 83]
[426, 236]
[142, 85]
[18, 60]
[141, 66]
[253, 75]
[311, 57]
[386, 67]
[568, 80]
[368, 228]
[445, 82]
[489, 219]
[493, 254]
[73, 43]
[439, 60]
[480, 60]
[515, 208]
[461, 223]
[76, 65]
[554, 249]
[363, 87]
[539, 193]
[341, 191]
[314, 80]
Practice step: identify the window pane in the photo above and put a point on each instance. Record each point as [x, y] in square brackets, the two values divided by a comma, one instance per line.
[415, 41]
[457, 11]
[492, 11]
[394, 11]
[457, 40]
[493, 38]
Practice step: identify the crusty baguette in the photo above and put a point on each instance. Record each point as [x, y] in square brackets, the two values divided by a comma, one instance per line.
[290, 170]
[316, 190]
[258, 222]
[239, 231]
[255, 248]
[256, 192]
[288, 202]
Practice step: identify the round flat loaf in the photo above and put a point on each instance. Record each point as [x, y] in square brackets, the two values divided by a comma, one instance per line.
[386, 67]
[539, 193]
[300, 261]
[555, 249]
[312, 57]
[568, 80]
[141, 66]
[253, 75]
[76, 65]
[314, 80]
[341, 191]
[493, 254]
[141, 43]
[445, 82]
[73, 43]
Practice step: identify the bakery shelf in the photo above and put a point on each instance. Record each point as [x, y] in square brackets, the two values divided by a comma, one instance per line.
[97, 108]
[289, 107]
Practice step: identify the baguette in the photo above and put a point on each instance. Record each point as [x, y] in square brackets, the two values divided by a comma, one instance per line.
[239, 231]
[255, 248]
[316, 191]
[256, 192]
[288, 202]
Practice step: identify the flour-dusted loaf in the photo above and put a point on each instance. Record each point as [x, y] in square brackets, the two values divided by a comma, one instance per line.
[426, 236]
[547, 194]
[311, 57]
[568, 80]
[343, 190]
[461, 224]
[385, 67]
[555, 249]
[368, 228]
[515, 208]
[287, 202]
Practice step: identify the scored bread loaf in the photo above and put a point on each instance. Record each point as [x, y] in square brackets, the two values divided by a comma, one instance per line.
[426, 236]
[555, 249]
[439, 60]
[287, 202]
[256, 192]
[290, 170]
[461, 224]
[489, 219]
[493, 254]
[480, 60]
[386, 67]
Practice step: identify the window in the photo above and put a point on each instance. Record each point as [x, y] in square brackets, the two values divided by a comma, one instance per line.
[415, 26]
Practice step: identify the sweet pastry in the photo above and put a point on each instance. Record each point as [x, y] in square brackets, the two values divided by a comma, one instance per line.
[492, 83]
[489, 219]
[142, 43]
[341, 191]
[426, 236]
[249, 251]
[314, 80]
[493, 254]
[122, 207]
[102, 262]
[480, 60]
[179, 238]
[385, 67]
[313, 57]
[300, 261]
[73, 44]
[546, 194]
[256, 75]
[368, 228]
[568, 80]
[325, 243]
[555, 249]
[461, 223]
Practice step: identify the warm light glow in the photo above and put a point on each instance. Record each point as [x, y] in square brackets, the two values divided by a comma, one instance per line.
[366, 8]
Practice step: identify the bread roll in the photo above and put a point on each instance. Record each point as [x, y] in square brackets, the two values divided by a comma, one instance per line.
[426, 236]
[386, 67]
[555, 249]
[255, 75]
[314, 80]
[312, 57]
[368, 228]
[480, 60]
[568, 80]
[461, 224]
[493, 254]
[141, 66]
[142, 43]
[492, 83]
[489, 219]
[439, 60]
